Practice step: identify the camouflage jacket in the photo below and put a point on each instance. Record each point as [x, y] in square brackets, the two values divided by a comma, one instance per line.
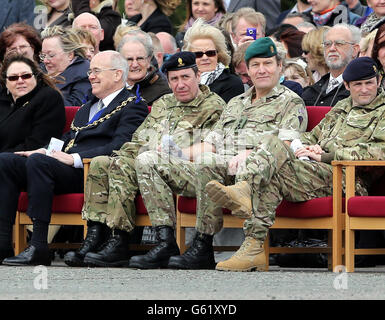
[188, 123]
[351, 132]
[281, 112]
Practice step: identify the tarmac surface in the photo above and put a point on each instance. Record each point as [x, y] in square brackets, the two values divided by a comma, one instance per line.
[59, 282]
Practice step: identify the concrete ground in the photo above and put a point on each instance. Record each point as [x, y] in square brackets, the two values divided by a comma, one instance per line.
[62, 282]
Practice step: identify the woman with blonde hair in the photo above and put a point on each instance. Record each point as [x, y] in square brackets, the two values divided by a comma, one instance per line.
[58, 13]
[64, 59]
[313, 52]
[213, 59]
[298, 71]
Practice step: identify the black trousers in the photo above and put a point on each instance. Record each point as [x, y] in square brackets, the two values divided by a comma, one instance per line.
[42, 177]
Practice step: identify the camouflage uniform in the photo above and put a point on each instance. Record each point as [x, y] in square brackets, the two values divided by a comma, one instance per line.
[242, 123]
[346, 133]
[112, 184]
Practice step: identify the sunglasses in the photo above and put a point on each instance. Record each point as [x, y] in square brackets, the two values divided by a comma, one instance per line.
[25, 76]
[209, 53]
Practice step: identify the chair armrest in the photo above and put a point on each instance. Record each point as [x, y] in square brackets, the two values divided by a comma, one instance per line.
[350, 172]
[358, 163]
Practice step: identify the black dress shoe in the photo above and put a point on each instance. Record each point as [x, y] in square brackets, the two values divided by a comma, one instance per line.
[6, 253]
[114, 253]
[30, 257]
[96, 236]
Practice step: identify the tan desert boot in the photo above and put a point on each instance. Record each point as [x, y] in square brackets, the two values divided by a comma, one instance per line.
[250, 256]
[236, 198]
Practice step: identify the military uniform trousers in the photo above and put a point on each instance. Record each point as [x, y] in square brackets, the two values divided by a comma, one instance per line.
[42, 177]
[161, 176]
[272, 170]
[110, 192]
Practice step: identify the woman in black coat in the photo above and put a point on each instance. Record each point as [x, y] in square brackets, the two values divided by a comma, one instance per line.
[34, 111]
[154, 14]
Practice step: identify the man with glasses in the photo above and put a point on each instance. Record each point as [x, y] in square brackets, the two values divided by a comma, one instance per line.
[341, 45]
[112, 185]
[88, 21]
[143, 78]
[100, 126]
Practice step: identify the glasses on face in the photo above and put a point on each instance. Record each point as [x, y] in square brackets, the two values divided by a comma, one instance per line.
[305, 52]
[209, 53]
[96, 71]
[19, 48]
[139, 60]
[24, 76]
[47, 56]
[337, 43]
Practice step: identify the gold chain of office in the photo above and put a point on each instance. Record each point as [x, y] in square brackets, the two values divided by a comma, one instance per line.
[96, 122]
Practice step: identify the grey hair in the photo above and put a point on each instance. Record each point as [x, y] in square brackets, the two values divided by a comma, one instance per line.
[137, 39]
[117, 61]
[138, 36]
[354, 31]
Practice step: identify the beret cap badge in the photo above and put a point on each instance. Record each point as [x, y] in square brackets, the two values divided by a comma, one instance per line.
[180, 62]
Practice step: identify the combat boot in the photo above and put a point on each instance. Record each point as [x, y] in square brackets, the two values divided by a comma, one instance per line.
[249, 257]
[158, 256]
[200, 255]
[96, 236]
[114, 252]
[236, 198]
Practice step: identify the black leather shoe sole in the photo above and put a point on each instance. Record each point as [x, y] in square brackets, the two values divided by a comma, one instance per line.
[148, 265]
[9, 262]
[91, 261]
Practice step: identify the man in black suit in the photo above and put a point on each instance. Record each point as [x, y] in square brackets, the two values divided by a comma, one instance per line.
[100, 126]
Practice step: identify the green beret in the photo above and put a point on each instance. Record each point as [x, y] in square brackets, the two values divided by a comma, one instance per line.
[261, 48]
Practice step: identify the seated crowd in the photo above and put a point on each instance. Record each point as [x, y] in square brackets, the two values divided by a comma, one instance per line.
[228, 91]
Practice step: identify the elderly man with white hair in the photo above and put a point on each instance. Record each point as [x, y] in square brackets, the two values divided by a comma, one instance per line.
[341, 45]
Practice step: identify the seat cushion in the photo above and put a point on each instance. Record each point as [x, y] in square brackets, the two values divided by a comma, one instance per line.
[316, 208]
[189, 205]
[366, 206]
[139, 204]
[63, 203]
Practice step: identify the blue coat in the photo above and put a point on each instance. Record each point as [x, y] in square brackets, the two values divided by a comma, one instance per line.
[110, 134]
[76, 84]
[12, 11]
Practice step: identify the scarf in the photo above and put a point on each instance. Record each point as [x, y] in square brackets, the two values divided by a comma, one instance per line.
[321, 18]
[211, 22]
[209, 77]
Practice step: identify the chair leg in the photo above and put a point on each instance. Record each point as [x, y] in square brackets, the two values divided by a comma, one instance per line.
[18, 235]
[266, 246]
[181, 239]
[349, 250]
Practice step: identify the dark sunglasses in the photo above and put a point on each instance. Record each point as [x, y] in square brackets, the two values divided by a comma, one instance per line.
[209, 53]
[25, 76]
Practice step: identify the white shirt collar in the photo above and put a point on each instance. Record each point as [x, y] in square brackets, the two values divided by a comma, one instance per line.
[107, 100]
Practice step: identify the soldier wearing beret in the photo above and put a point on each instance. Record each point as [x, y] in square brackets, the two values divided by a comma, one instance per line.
[352, 130]
[265, 108]
[112, 184]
